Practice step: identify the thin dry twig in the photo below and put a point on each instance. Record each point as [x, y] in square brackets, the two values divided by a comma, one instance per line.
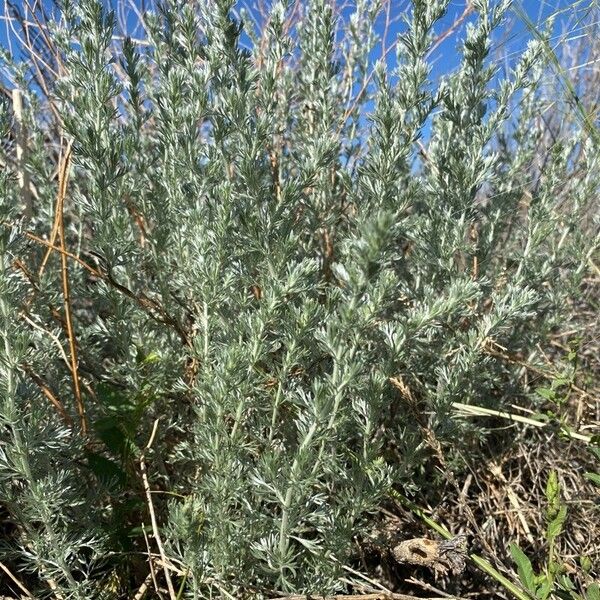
[469, 8]
[141, 592]
[10, 575]
[55, 339]
[430, 588]
[60, 250]
[58, 405]
[372, 582]
[151, 563]
[155, 530]
[376, 596]
[57, 215]
[150, 306]
[44, 73]
[514, 500]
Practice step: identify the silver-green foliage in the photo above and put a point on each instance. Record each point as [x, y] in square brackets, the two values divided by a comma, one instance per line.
[287, 244]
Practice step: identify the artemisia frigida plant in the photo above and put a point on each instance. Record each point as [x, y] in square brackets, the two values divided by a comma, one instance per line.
[280, 253]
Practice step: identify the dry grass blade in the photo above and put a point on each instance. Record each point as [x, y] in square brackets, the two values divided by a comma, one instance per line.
[21, 154]
[468, 410]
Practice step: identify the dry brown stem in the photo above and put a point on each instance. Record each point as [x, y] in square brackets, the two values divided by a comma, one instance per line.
[155, 530]
[375, 596]
[58, 405]
[150, 306]
[10, 575]
[63, 178]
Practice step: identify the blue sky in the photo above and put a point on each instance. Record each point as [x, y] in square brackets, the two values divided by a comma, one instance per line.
[511, 39]
[517, 32]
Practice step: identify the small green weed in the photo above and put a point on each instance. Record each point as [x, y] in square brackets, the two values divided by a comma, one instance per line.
[552, 580]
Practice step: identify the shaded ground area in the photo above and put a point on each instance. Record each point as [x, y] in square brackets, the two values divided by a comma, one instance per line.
[498, 497]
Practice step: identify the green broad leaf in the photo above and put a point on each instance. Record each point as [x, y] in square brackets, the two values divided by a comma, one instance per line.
[593, 592]
[555, 526]
[544, 591]
[585, 563]
[566, 582]
[524, 568]
[546, 393]
[560, 381]
[543, 417]
[552, 492]
[593, 477]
